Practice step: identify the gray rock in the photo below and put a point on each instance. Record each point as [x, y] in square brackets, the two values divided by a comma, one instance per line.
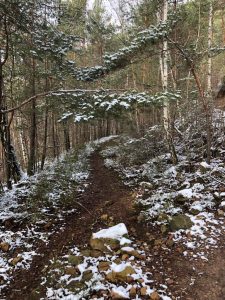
[75, 260]
[180, 222]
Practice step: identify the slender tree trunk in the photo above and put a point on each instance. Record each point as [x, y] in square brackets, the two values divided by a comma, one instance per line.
[44, 151]
[54, 150]
[210, 36]
[165, 68]
[66, 136]
[33, 129]
[164, 58]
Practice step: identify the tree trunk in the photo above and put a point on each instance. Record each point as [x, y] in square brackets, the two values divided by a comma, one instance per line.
[66, 136]
[165, 68]
[12, 166]
[210, 36]
[44, 151]
[163, 60]
[33, 129]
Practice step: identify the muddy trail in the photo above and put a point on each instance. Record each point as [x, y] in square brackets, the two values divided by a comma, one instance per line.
[106, 194]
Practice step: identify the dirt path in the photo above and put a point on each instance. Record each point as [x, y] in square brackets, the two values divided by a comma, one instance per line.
[106, 194]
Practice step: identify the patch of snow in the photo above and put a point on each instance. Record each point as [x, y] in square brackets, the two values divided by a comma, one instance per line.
[127, 249]
[121, 292]
[205, 165]
[186, 193]
[115, 232]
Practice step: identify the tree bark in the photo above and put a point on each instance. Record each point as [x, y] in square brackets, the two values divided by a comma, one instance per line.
[210, 36]
[12, 166]
[33, 129]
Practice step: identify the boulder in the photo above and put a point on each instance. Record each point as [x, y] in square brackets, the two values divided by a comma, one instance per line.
[15, 260]
[154, 296]
[180, 222]
[180, 199]
[104, 266]
[104, 217]
[105, 245]
[132, 252]
[143, 291]
[120, 276]
[76, 285]
[87, 276]
[163, 217]
[96, 253]
[133, 292]
[217, 198]
[125, 257]
[220, 212]
[70, 271]
[86, 252]
[194, 211]
[5, 246]
[91, 253]
[75, 260]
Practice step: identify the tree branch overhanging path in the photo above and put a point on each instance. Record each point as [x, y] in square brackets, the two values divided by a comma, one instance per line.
[49, 93]
[125, 55]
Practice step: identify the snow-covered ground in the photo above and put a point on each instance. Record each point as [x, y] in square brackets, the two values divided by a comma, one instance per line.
[185, 201]
[34, 202]
[190, 192]
[119, 274]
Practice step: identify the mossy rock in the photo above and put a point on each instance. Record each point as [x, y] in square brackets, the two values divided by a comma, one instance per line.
[180, 199]
[75, 260]
[87, 276]
[76, 285]
[96, 253]
[180, 222]
[86, 252]
[70, 271]
[194, 211]
[105, 245]
[162, 217]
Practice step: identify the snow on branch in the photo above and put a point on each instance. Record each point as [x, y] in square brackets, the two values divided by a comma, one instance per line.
[216, 51]
[124, 56]
[84, 106]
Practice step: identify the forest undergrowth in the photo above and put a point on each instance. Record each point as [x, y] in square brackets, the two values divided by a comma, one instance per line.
[164, 223]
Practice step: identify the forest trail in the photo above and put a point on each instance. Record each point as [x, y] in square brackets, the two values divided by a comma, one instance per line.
[106, 194]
